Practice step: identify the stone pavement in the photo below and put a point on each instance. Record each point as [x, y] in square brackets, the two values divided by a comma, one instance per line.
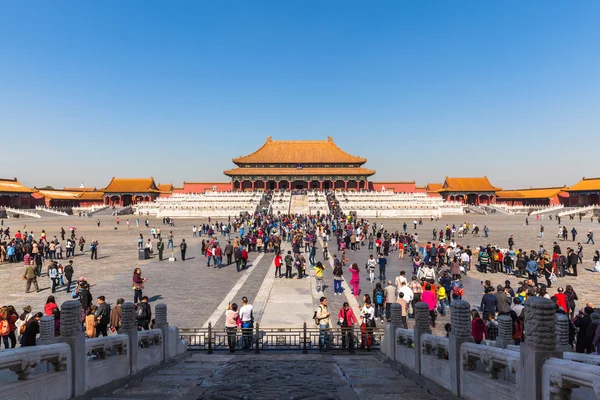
[274, 376]
[194, 293]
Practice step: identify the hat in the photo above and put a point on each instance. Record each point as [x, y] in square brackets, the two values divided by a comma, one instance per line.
[27, 309]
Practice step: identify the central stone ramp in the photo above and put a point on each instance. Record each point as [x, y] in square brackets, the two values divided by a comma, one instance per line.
[274, 376]
[299, 204]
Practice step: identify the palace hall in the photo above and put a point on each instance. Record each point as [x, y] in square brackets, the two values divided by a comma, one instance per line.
[299, 164]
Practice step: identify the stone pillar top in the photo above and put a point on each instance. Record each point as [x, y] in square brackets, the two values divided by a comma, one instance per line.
[422, 318]
[47, 330]
[460, 318]
[540, 324]
[70, 318]
[505, 327]
[160, 312]
[128, 316]
[396, 314]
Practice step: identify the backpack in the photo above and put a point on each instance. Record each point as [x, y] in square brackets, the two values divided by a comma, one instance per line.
[140, 313]
[456, 290]
[4, 328]
[315, 317]
[379, 297]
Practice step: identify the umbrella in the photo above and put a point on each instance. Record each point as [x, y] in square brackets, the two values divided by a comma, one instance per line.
[72, 228]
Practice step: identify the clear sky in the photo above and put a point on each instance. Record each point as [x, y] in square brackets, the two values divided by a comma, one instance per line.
[423, 89]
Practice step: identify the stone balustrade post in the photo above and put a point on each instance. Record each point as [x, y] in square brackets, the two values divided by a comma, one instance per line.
[460, 321]
[390, 330]
[71, 333]
[562, 333]
[505, 331]
[47, 330]
[160, 312]
[422, 326]
[129, 328]
[539, 345]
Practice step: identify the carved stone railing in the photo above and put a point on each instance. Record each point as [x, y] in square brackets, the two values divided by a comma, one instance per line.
[542, 367]
[108, 359]
[435, 364]
[32, 380]
[76, 365]
[482, 370]
[563, 379]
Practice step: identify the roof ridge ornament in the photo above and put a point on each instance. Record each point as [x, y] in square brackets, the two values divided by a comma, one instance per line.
[270, 139]
[329, 139]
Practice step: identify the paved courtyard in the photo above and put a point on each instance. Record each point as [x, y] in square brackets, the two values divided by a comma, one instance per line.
[196, 294]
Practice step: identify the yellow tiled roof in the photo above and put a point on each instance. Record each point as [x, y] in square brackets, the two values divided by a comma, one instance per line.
[131, 185]
[165, 187]
[531, 193]
[299, 152]
[13, 186]
[299, 171]
[434, 187]
[468, 185]
[58, 194]
[80, 189]
[585, 184]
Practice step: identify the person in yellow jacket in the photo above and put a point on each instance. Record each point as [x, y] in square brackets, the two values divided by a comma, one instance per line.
[319, 268]
[441, 296]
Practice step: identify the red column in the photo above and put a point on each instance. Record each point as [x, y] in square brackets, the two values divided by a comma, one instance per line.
[253, 185]
[321, 185]
[345, 185]
[477, 200]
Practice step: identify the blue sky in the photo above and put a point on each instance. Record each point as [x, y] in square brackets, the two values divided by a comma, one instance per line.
[423, 89]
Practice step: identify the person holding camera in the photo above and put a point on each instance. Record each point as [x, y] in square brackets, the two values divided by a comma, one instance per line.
[322, 319]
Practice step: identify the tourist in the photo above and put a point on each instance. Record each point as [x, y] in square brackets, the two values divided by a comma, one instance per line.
[391, 294]
[228, 252]
[116, 316]
[382, 262]
[94, 250]
[53, 275]
[160, 247]
[355, 280]
[478, 327]
[442, 296]
[319, 269]
[368, 323]
[143, 314]
[590, 237]
[346, 321]
[571, 298]
[289, 261]
[32, 328]
[491, 327]
[68, 271]
[8, 318]
[404, 304]
[138, 285]
[378, 299]
[532, 269]
[170, 239]
[278, 261]
[247, 318]
[183, 249]
[429, 297]
[90, 322]
[50, 305]
[370, 266]
[322, 320]
[231, 325]
[102, 316]
[30, 276]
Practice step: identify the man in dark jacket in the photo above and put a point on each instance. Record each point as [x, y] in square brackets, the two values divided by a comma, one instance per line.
[228, 250]
[143, 314]
[489, 304]
[102, 316]
[503, 301]
[573, 260]
[69, 274]
[237, 255]
[183, 248]
[582, 322]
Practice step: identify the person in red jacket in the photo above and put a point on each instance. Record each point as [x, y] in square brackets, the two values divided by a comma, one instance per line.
[561, 299]
[244, 257]
[278, 261]
[347, 321]
[50, 305]
[478, 328]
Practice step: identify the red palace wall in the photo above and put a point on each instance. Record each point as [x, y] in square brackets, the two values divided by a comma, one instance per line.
[201, 187]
